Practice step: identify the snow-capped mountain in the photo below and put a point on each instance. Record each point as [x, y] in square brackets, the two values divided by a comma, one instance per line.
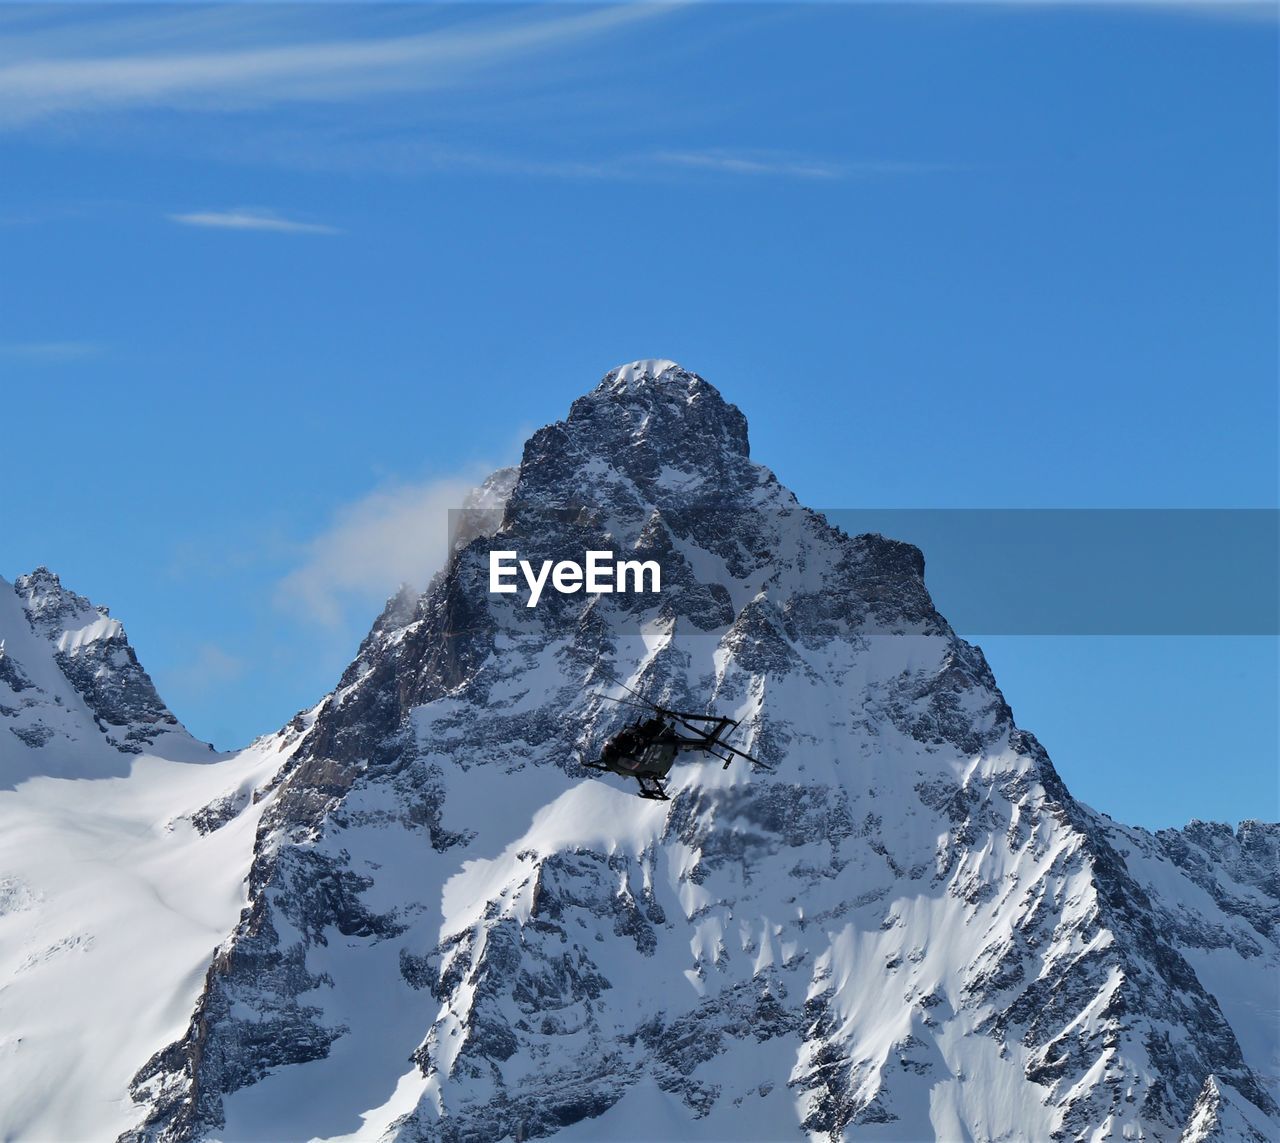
[432, 922]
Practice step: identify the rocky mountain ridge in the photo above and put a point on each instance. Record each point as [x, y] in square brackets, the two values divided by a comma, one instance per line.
[451, 930]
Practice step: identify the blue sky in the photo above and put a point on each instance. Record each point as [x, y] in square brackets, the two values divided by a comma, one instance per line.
[277, 281]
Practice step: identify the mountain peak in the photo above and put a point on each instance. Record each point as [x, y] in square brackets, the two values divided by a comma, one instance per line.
[657, 380]
[644, 421]
[647, 369]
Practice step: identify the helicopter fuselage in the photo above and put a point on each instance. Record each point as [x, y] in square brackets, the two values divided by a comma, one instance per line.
[647, 750]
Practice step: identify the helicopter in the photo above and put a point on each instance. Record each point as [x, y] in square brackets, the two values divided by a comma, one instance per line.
[646, 749]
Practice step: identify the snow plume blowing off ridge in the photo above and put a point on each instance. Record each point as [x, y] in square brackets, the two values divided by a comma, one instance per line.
[393, 536]
[432, 922]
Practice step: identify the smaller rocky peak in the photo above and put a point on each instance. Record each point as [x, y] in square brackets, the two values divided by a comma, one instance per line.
[39, 582]
[1221, 1114]
[51, 608]
[94, 656]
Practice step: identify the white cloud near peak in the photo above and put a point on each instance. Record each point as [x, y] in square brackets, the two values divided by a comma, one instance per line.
[392, 536]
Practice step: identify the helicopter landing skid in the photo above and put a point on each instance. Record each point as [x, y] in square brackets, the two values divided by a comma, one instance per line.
[655, 792]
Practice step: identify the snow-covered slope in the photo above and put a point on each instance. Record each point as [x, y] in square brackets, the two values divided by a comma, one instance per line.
[452, 930]
[114, 894]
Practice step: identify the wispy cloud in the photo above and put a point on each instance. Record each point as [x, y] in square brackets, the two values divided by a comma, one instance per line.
[407, 157]
[251, 218]
[250, 60]
[69, 72]
[392, 536]
[1260, 10]
[51, 352]
[788, 166]
[727, 163]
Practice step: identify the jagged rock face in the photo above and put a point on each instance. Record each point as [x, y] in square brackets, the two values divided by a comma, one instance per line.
[70, 685]
[907, 929]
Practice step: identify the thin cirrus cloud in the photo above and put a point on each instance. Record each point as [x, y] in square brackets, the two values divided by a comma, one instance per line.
[416, 157]
[67, 68]
[250, 218]
[791, 166]
[1259, 10]
[226, 61]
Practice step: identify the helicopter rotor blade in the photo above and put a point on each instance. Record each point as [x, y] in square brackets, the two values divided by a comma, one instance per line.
[682, 716]
[625, 687]
[631, 691]
[625, 702]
